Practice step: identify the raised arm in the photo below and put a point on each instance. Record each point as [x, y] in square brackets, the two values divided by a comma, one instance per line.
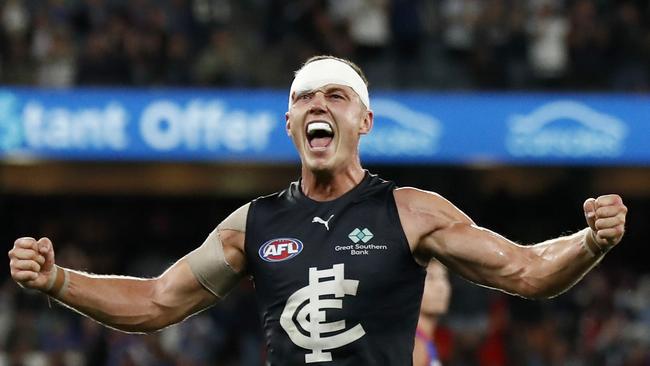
[136, 304]
[436, 228]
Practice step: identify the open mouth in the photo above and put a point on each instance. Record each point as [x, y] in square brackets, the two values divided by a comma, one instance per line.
[319, 134]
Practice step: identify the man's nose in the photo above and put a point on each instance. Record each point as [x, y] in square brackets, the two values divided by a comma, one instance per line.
[318, 102]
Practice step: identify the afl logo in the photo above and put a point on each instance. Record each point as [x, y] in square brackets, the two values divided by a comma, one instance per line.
[277, 250]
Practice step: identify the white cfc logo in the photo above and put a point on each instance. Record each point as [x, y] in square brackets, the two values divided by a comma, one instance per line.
[311, 317]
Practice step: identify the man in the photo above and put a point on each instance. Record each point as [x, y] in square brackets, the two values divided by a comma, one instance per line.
[435, 302]
[337, 258]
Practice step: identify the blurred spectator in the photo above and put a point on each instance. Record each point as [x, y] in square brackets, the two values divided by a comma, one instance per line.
[517, 47]
[147, 57]
[407, 29]
[102, 63]
[588, 44]
[15, 18]
[177, 72]
[14, 29]
[368, 24]
[630, 51]
[490, 55]
[55, 59]
[459, 19]
[548, 53]
[220, 62]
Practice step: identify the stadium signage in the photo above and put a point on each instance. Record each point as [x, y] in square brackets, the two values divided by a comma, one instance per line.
[249, 126]
[566, 129]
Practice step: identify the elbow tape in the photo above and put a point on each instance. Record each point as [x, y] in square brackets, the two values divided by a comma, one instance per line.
[208, 262]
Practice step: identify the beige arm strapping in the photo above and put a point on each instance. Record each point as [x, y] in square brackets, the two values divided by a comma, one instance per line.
[208, 262]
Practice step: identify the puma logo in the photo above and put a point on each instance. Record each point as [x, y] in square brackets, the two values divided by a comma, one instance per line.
[318, 220]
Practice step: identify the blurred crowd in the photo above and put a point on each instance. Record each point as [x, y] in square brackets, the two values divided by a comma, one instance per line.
[443, 44]
[602, 321]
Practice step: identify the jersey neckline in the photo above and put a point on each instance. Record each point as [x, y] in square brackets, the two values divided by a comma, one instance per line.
[295, 191]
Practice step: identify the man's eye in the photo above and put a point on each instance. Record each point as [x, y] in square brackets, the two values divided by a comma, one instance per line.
[336, 96]
[306, 96]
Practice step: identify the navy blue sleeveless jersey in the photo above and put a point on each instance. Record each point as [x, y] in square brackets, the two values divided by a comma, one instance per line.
[335, 281]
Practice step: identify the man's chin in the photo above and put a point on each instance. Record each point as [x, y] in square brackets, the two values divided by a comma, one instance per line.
[320, 166]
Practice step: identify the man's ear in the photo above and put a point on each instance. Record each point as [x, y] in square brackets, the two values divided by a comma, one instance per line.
[287, 124]
[367, 122]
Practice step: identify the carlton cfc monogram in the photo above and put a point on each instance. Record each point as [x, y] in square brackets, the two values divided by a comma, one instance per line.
[311, 316]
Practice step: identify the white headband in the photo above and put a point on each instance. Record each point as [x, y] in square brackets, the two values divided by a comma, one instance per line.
[328, 71]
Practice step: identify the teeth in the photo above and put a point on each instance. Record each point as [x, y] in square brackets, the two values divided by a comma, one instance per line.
[319, 126]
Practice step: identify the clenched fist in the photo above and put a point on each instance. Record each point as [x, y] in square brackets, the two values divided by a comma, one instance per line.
[606, 218]
[32, 263]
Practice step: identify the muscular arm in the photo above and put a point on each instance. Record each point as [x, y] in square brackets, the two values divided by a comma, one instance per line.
[137, 304]
[435, 228]
[134, 304]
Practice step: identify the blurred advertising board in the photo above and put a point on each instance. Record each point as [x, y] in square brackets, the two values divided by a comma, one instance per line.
[249, 126]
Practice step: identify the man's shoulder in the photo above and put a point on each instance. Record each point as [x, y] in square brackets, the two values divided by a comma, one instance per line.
[289, 195]
[281, 194]
[418, 204]
[415, 204]
[406, 195]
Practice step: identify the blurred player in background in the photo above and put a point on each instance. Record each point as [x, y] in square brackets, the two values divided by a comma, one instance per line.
[338, 258]
[435, 302]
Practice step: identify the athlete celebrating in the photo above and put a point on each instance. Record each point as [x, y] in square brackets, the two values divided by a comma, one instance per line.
[338, 257]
